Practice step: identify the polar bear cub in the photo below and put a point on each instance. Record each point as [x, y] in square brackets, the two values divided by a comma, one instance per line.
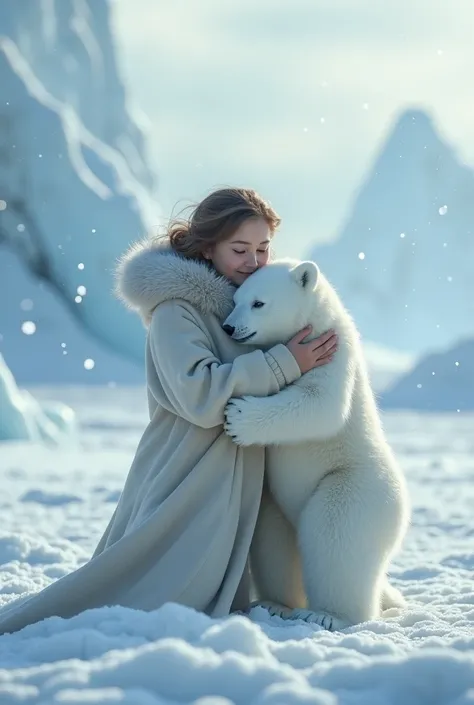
[335, 507]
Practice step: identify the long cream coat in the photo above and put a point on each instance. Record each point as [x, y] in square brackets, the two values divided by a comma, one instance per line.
[182, 529]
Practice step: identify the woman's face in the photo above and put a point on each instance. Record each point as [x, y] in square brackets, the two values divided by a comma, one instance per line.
[246, 251]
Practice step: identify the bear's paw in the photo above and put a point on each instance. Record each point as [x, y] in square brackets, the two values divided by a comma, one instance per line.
[243, 420]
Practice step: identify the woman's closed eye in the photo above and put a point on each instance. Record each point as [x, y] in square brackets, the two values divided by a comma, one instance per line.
[243, 252]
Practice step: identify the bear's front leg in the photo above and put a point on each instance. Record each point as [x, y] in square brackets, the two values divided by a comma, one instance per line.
[245, 421]
[314, 408]
[263, 420]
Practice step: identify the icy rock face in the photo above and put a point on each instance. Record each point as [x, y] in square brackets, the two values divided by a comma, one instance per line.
[442, 382]
[74, 185]
[403, 261]
[43, 341]
[70, 48]
[24, 419]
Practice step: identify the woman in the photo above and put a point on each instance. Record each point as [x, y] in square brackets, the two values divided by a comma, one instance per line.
[182, 528]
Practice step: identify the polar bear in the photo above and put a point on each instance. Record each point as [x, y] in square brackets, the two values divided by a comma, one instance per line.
[335, 508]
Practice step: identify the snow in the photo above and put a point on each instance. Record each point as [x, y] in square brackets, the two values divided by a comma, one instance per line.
[56, 503]
[441, 381]
[23, 418]
[75, 184]
[402, 262]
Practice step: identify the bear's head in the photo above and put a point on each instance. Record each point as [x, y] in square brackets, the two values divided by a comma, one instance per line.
[273, 304]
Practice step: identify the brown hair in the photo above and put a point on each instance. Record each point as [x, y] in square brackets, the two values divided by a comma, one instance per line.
[216, 218]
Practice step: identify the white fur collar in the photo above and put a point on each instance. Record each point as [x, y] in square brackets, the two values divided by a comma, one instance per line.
[150, 272]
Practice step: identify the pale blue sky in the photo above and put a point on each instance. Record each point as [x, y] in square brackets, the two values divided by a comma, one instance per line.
[291, 97]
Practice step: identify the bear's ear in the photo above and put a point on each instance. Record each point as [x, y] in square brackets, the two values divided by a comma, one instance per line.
[306, 275]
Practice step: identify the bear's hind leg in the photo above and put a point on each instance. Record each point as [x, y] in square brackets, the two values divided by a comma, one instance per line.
[347, 532]
[391, 597]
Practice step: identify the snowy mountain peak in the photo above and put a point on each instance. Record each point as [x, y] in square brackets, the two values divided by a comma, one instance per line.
[413, 141]
[403, 260]
[414, 123]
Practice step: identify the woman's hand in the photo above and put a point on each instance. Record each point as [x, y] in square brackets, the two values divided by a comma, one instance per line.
[315, 352]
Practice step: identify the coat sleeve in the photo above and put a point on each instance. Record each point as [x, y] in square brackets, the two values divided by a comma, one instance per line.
[197, 384]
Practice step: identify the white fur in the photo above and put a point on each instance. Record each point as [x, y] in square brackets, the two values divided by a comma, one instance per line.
[337, 507]
[150, 272]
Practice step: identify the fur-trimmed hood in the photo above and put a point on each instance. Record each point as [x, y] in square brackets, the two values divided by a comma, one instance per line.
[150, 272]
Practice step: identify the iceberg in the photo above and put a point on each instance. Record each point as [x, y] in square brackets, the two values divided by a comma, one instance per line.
[23, 418]
[45, 344]
[75, 187]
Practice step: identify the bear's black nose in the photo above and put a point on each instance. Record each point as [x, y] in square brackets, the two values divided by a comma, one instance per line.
[228, 329]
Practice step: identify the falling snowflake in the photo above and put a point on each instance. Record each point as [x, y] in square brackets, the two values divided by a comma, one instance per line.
[89, 364]
[28, 328]
[443, 210]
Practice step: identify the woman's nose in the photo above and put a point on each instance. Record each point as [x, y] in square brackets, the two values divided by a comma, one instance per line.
[252, 259]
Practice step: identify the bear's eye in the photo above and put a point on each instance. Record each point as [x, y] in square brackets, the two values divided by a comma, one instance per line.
[258, 304]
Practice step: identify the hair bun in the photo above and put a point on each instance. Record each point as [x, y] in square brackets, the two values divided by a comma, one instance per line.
[181, 239]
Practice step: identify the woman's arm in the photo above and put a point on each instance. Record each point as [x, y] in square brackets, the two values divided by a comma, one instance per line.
[197, 384]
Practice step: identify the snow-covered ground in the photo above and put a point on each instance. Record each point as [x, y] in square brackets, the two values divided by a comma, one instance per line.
[56, 503]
